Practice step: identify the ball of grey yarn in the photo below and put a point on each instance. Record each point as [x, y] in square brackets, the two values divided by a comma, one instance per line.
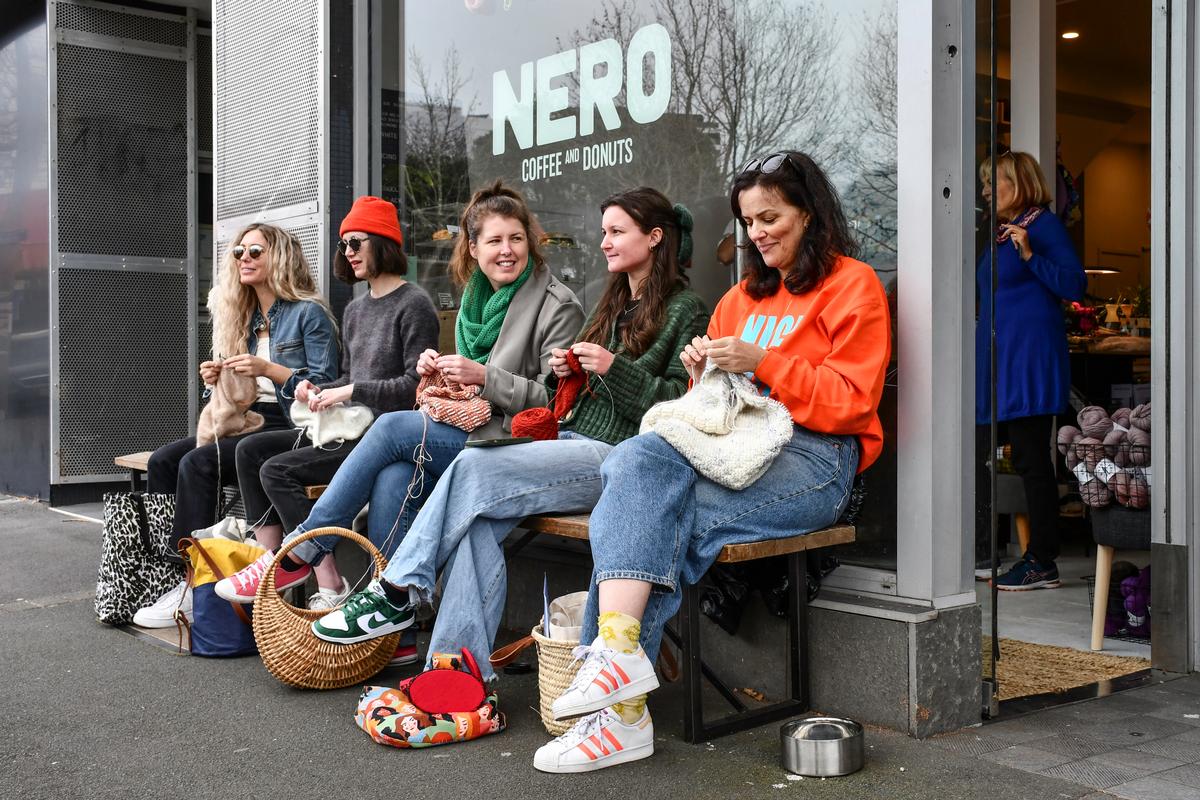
[1095, 422]
[1066, 435]
[1118, 484]
[1090, 451]
[1095, 494]
[1113, 441]
[1138, 447]
[1121, 417]
[686, 223]
[1140, 417]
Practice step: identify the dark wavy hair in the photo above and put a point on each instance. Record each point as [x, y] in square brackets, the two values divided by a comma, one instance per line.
[384, 256]
[494, 200]
[803, 184]
[650, 209]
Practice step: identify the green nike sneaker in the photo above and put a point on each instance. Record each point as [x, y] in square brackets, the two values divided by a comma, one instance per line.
[366, 615]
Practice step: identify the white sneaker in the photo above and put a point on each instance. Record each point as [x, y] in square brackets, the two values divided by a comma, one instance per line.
[606, 677]
[597, 741]
[162, 613]
[329, 599]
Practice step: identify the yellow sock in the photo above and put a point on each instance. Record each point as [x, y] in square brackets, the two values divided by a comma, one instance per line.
[621, 632]
[631, 710]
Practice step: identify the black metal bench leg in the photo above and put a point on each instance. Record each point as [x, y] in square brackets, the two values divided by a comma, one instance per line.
[798, 683]
[135, 481]
[693, 705]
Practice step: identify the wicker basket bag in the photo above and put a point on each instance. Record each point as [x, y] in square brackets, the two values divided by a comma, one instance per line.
[286, 642]
[556, 669]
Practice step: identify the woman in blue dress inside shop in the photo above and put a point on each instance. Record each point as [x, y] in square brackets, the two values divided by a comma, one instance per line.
[1037, 269]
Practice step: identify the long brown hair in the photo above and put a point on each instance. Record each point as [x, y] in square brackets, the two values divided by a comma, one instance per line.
[232, 303]
[803, 184]
[495, 200]
[650, 209]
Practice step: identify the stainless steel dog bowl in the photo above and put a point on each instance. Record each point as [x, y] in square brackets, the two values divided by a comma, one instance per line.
[822, 747]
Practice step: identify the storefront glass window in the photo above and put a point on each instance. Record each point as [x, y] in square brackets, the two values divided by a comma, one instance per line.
[574, 101]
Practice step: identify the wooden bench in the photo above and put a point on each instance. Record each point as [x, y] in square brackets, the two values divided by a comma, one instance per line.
[138, 465]
[796, 548]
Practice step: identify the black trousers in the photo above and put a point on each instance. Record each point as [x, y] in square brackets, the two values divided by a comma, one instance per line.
[196, 474]
[273, 467]
[1034, 463]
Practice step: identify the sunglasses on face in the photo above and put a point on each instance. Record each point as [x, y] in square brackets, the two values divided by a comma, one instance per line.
[255, 251]
[767, 164]
[351, 245]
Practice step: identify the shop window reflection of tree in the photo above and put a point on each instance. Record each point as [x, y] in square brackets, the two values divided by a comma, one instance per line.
[760, 75]
[871, 197]
[435, 130]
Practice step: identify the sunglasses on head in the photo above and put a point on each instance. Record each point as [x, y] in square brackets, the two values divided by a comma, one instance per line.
[351, 245]
[255, 250]
[767, 164]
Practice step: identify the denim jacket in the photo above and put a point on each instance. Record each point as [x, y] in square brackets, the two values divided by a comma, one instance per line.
[303, 339]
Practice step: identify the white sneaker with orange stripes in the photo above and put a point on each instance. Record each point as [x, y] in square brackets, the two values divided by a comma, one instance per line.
[606, 677]
[597, 741]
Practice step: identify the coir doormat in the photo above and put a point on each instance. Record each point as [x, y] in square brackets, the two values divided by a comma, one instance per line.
[1028, 669]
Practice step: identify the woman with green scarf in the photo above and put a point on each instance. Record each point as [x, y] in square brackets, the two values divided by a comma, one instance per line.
[514, 315]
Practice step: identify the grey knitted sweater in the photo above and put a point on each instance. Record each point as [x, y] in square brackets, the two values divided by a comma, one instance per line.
[381, 340]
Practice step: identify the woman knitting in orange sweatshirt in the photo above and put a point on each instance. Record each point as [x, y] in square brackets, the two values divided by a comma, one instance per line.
[809, 325]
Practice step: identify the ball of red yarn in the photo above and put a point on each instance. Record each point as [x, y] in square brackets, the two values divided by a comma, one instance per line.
[538, 423]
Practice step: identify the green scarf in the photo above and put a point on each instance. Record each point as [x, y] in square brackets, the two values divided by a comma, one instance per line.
[482, 312]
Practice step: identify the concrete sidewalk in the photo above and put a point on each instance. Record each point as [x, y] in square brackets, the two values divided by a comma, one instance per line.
[92, 712]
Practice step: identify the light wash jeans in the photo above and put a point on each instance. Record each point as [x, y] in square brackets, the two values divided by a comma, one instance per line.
[480, 498]
[379, 470]
[661, 522]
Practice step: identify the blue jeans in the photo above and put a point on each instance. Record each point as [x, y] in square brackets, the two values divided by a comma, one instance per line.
[661, 522]
[481, 497]
[379, 470]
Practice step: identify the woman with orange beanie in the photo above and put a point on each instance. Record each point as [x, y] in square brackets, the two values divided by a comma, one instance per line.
[384, 331]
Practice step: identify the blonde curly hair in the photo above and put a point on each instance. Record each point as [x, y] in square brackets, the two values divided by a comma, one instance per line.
[232, 303]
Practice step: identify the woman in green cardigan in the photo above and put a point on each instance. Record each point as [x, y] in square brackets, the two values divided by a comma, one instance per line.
[629, 348]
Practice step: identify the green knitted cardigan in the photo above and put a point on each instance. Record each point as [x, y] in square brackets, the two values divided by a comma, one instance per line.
[612, 411]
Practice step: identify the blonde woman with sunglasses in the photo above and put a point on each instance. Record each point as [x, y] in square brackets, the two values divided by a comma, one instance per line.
[269, 324]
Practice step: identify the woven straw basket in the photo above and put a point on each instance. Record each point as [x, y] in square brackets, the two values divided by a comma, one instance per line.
[556, 670]
[286, 642]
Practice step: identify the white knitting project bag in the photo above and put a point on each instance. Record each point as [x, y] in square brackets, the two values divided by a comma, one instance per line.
[336, 424]
[724, 427]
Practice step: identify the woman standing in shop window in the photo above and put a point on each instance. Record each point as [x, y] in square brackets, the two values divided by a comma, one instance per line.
[269, 324]
[1037, 269]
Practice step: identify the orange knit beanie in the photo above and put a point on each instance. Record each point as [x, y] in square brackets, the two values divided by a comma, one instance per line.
[373, 215]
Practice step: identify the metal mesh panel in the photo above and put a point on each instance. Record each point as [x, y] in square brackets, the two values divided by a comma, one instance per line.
[125, 26]
[204, 104]
[126, 390]
[122, 153]
[310, 242]
[268, 59]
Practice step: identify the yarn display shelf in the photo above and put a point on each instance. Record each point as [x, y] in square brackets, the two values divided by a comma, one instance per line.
[1113, 592]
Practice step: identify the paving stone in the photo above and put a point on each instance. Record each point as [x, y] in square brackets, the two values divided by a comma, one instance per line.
[968, 742]
[1154, 788]
[1188, 775]
[1028, 759]
[1181, 748]
[1093, 773]
[1138, 759]
[1135, 730]
[1075, 746]
[1024, 729]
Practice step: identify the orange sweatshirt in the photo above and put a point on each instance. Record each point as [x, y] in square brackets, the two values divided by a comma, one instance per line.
[827, 350]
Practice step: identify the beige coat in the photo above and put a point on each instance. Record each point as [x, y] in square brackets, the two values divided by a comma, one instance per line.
[543, 315]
